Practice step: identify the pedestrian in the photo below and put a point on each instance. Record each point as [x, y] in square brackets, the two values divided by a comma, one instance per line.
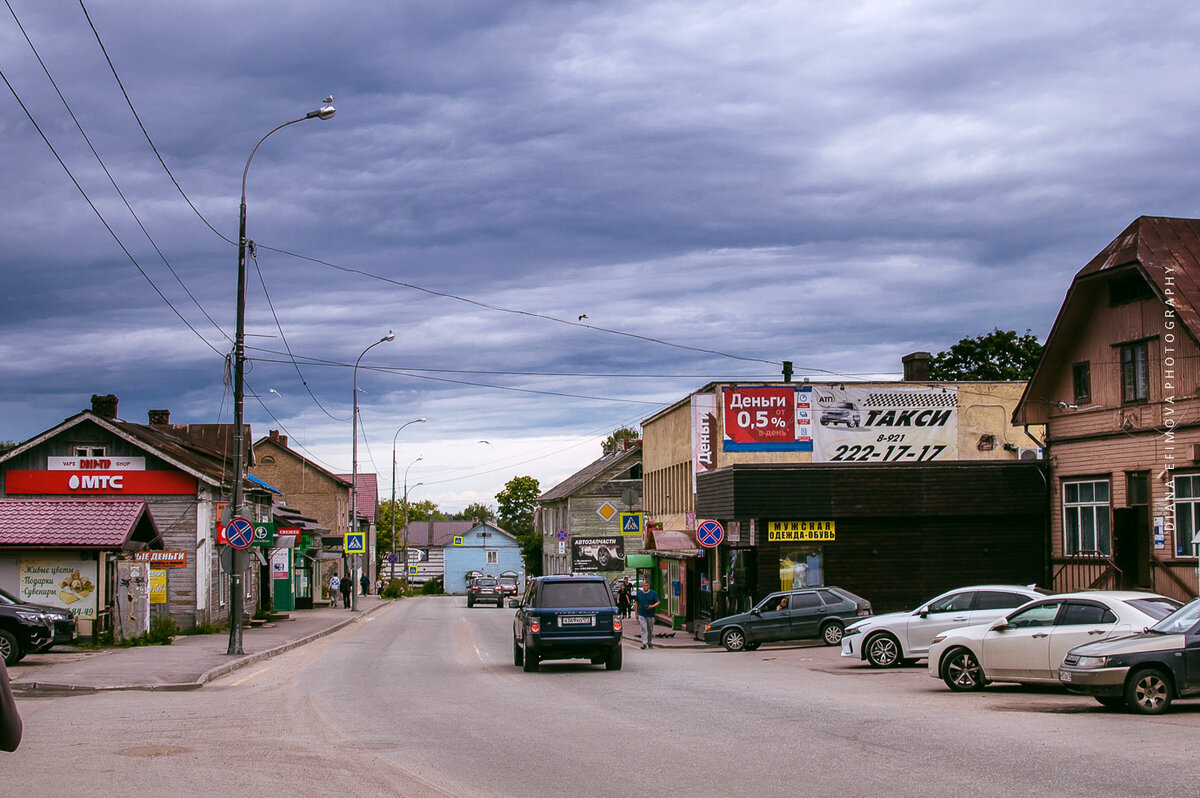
[624, 597]
[378, 587]
[346, 586]
[647, 601]
[335, 587]
[366, 584]
[10, 721]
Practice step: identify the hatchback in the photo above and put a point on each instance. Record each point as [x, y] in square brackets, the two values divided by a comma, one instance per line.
[815, 612]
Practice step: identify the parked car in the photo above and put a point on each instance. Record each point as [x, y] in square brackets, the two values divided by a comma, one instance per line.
[486, 589]
[790, 615]
[1144, 672]
[567, 617]
[26, 627]
[894, 638]
[509, 584]
[841, 413]
[1029, 644]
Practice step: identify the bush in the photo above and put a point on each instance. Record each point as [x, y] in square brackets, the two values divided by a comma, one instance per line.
[432, 588]
[204, 629]
[162, 630]
[394, 589]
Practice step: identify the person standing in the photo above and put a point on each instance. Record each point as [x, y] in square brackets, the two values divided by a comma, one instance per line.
[647, 601]
[624, 597]
[366, 583]
[346, 586]
[335, 587]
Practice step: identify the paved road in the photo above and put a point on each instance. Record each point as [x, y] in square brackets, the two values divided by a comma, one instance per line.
[422, 699]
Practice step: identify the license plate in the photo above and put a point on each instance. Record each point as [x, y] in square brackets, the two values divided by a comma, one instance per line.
[577, 620]
[1064, 676]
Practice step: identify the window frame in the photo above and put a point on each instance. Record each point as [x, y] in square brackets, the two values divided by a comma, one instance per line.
[1183, 540]
[1082, 508]
[1134, 371]
[1081, 380]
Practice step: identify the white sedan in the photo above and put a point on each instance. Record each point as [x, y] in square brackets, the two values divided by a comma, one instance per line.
[1029, 644]
[888, 640]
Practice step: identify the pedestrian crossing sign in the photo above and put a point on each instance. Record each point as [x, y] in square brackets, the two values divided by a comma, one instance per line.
[458, 539]
[354, 543]
[631, 523]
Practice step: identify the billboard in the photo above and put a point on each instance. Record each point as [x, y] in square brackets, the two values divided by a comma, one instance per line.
[874, 424]
[65, 582]
[598, 554]
[767, 419]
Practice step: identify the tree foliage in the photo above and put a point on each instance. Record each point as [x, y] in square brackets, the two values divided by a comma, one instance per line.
[424, 510]
[476, 511]
[623, 434]
[998, 355]
[515, 516]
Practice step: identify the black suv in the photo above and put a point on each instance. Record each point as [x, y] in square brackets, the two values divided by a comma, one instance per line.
[26, 627]
[485, 588]
[567, 617]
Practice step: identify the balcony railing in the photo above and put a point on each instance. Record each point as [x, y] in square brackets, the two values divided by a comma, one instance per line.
[1086, 570]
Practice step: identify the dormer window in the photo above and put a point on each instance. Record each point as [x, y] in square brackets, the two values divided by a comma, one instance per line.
[1128, 288]
[90, 451]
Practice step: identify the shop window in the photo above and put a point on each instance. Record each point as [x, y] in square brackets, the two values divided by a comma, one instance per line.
[802, 566]
[1135, 373]
[1187, 513]
[1086, 526]
[1082, 373]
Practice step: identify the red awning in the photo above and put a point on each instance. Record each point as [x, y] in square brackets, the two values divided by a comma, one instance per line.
[98, 523]
[671, 540]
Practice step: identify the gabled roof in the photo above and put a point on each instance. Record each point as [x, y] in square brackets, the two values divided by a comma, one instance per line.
[592, 472]
[1164, 250]
[296, 455]
[92, 523]
[437, 533]
[368, 494]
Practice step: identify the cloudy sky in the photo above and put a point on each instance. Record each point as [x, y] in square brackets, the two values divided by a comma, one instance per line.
[571, 213]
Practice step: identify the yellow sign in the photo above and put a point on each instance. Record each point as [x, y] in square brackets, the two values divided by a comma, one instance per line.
[158, 586]
[792, 531]
[458, 540]
[606, 511]
[631, 523]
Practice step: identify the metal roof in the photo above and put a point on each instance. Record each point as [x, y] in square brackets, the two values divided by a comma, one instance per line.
[97, 523]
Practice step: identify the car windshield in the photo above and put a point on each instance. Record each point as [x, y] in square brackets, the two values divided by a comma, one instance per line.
[484, 582]
[1179, 621]
[1156, 608]
[574, 594]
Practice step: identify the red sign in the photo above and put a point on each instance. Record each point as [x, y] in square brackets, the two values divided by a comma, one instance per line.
[162, 559]
[288, 531]
[760, 419]
[113, 483]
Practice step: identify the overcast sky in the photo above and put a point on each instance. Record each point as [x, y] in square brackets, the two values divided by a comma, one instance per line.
[717, 186]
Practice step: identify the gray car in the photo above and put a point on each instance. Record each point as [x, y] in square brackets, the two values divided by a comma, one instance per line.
[814, 612]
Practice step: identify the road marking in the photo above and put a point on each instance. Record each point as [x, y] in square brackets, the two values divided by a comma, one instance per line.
[251, 676]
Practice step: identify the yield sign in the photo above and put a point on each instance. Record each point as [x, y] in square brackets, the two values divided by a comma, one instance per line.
[709, 534]
[240, 532]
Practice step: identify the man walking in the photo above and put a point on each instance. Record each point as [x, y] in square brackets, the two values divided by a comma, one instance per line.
[647, 601]
[347, 585]
[335, 587]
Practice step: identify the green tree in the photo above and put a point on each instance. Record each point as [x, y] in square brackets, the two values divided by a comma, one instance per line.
[998, 355]
[424, 510]
[623, 434]
[515, 516]
[475, 511]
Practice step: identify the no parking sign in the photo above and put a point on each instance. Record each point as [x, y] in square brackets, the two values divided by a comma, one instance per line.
[709, 534]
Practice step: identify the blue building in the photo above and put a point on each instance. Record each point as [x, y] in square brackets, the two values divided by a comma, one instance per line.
[485, 548]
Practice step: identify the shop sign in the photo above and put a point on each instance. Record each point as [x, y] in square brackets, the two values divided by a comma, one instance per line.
[873, 424]
[767, 419]
[64, 582]
[704, 430]
[162, 559]
[96, 463]
[598, 554]
[280, 564]
[264, 535]
[117, 483]
[796, 531]
[158, 586]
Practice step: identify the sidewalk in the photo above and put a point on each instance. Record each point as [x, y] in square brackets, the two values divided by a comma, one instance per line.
[664, 635]
[187, 664]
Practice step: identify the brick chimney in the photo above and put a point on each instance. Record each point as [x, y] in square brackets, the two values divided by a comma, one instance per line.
[275, 436]
[104, 406]
[160, 417]
[916, 366]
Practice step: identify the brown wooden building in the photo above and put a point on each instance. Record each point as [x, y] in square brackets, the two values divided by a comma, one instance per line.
[1117, 390]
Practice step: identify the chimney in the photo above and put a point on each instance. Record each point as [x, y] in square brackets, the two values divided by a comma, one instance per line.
[104, 406]
[280, 439]
[916, 366]
[160, 417]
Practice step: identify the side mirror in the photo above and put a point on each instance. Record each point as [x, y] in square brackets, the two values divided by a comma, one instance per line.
[513, 604]
[999, 624]
[756, 611]
[923, 612]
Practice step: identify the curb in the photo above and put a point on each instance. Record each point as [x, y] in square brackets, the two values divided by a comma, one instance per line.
[50, 689]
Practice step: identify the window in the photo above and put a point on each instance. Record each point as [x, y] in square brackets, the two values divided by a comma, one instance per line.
[955, 602]
[1187, 513]
[805, 601]
[1078, 614]
[1086, 518]
[1037, 615]
[1083, 382]
[556, 595]
[1135, 373]
[998, 600]
[89, 451]
[268, 459]
[493, 557]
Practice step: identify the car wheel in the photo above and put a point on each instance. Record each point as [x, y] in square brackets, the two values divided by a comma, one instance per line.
[883, 651]
[613, 662]
[1110, 702]
[470, 602]
[9, 648]
[961, 671]
[531, 661]
[518, 654]
[1148, 692]
[734, 639]
[603, 555]
[832, 633]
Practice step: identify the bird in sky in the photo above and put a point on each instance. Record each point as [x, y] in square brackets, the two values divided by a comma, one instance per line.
[582, 316]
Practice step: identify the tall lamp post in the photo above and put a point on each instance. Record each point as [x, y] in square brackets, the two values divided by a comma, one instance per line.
[420, 420]
[405, 549]
[326, 111]
[366, 555]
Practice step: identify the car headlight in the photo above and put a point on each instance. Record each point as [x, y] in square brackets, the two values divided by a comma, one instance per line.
[851, 630]
[31, 617]
[1091, 662]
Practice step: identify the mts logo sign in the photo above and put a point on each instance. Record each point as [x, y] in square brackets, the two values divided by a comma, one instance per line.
[113, 482]
[51, 482]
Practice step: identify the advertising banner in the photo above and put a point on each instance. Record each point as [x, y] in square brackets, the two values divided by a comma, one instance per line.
[704, 431]
[280, 564]
[88, 482]
[870, 424]
[59, 582]
[598, 554]
[767, 419]
[158, 586]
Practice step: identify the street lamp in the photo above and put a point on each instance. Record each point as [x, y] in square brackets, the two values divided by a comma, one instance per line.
[420, 420]
[326, 111]
[366, 557]
[404, 551]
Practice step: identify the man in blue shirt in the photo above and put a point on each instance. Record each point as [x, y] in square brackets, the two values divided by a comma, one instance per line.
[647, 600]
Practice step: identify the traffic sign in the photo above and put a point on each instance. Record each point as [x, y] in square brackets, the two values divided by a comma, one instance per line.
[412, 570]
[458, 540]
[240, 533]
[561, 534]
[392, 559]
[709, 534]
[354, 543]
[631, 523]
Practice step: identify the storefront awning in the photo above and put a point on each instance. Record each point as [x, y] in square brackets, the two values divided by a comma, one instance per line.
[672, 540]
[119, 524]
[639, 560]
